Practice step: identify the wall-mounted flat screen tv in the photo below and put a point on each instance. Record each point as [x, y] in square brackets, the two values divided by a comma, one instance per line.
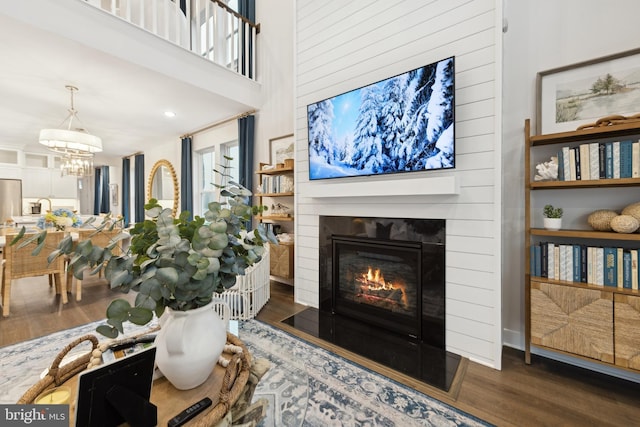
[401, 124]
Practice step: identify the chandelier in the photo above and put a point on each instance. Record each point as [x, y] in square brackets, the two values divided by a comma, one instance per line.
[75, 144]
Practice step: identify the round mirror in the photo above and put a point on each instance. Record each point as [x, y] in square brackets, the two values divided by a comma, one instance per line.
[163, 185]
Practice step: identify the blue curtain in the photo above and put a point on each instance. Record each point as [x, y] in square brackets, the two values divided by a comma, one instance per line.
[126, 196]
[247, 8]
[186, 177]
[105, 203]
[245, 148]
[138, 182]
[97, 191]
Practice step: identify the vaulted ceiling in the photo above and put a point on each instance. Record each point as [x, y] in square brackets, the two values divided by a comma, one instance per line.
[121, 100]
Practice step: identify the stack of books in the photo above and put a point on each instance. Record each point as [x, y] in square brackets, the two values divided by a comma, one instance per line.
[599, 160]
[595, 265]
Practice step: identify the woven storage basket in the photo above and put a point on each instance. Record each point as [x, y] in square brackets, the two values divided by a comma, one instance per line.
[601, 220]
[236, 376]
[57, 374]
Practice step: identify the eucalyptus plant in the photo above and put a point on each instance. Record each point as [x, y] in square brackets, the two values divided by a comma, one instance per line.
[172, 262]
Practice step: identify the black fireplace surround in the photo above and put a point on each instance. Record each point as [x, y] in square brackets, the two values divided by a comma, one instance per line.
[402, 329]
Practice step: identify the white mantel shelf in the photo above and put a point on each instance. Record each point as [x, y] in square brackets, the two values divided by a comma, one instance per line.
[441, 185]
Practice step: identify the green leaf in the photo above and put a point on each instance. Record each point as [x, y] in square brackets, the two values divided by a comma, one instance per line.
[140, 315]
[107, 331]
[18, 236]
[118, 309]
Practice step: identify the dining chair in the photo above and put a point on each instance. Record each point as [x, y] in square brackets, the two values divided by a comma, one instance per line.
[18, 262]
[102, 239]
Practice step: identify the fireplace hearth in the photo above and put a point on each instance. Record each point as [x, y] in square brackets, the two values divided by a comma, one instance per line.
[382, 294]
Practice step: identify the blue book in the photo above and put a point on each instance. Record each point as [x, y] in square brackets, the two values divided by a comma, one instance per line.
[532, 260]
[560, 165]
[610, 267]
[583, 263]
[609, 160]
[538, 261]
[626, 270]
[577, 263]
[626, 159]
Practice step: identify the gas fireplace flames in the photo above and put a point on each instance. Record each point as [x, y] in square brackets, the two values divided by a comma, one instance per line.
[374, 287]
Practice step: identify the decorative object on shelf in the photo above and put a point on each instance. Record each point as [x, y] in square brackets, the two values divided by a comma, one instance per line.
[61, 219]
[281, 148]
[547, 171]
[576, 94]
[75, 144]
[552, 217]
[624, 224]
[279, 208]
[611, 121]
[633, 210]
[600, 220]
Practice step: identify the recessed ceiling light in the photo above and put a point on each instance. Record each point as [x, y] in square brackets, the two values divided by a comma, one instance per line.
[169, 114]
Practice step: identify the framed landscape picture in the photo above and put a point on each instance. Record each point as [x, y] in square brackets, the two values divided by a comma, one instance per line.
[281, 148]
[578, 94]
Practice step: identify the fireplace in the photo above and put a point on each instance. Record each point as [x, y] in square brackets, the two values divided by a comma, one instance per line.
[408, 253]
[377, 281]
[382, 294]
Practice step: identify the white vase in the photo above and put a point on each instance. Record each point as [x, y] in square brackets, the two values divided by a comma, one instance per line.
[189, 344]
[552, 223]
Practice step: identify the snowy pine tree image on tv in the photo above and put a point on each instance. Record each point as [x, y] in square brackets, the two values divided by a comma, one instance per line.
[401, 124]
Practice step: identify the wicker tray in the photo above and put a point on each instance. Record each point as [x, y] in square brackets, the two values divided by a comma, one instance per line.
[225, 386]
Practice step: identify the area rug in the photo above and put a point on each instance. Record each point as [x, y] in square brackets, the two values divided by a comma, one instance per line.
[305, 386]
[310, 386]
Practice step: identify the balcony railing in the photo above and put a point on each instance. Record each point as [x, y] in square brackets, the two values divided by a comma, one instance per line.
[212, 29]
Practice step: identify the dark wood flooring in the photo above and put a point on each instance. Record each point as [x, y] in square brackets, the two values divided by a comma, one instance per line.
[545, 393]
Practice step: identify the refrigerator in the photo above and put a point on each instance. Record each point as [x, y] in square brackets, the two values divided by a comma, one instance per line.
[10, 199]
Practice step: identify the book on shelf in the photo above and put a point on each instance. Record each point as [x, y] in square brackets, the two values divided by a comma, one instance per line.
[583, 263]
[556, 262]
[562, 264]
[599, 267]
[577, 263]
[626, 270]
[594, 160]
[576, 175]
[568, 249]
[619, 266]
[616, 159]
[566, 163]
[602, 160]
[610, 267]
[585, 162]
[572, 164]
[626, 158]
[544, 259]
[537, 271]
[609, 160]
[634, 269]
[635, 159]
[590, 264]
[560, 165]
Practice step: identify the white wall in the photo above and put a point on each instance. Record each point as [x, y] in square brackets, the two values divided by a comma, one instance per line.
[344, 45]
[543, 35]
[275, 74]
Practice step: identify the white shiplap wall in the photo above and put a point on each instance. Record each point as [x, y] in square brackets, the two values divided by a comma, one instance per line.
[341, 46]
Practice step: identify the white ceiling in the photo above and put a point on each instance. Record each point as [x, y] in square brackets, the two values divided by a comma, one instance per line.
[121, 102]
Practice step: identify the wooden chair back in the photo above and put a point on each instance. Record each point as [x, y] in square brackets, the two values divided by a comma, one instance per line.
[19, 262]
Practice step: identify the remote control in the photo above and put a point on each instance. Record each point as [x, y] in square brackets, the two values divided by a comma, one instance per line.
[190, 412]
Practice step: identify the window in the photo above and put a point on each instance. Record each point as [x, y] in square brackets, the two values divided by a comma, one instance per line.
[209, 162]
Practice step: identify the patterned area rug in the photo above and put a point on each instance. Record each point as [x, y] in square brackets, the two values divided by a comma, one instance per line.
[305, 386]
[309, 386]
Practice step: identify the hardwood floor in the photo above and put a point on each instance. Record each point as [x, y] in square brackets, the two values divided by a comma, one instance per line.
[545, 393]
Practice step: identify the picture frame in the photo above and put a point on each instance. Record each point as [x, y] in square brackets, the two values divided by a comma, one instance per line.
[578, 94]
[280, 148]
[113, 192]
